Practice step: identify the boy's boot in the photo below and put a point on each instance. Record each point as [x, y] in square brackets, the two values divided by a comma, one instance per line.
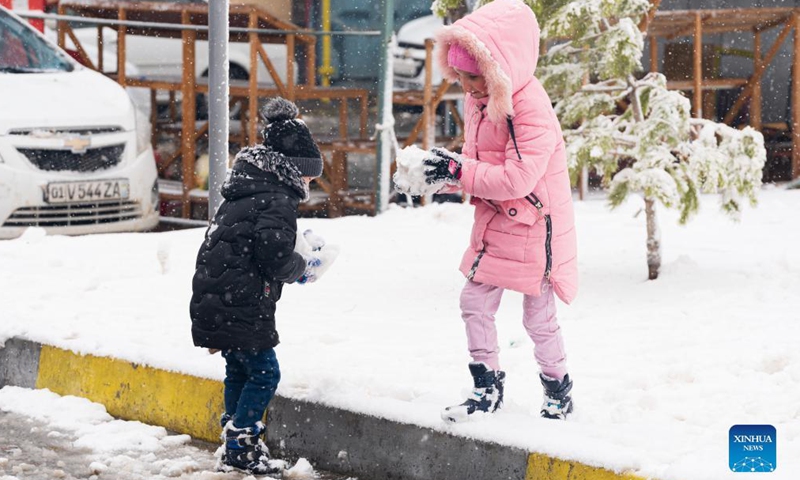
[245, 451]
[223, 422]
[557, 400]
[486, 397]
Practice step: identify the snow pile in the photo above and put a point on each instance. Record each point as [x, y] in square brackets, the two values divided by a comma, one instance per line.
[129, 450]
[662, 369]
[410, 175]
[87, 439]
[302, 470]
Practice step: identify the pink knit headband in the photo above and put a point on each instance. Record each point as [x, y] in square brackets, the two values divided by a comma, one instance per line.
[458, 57]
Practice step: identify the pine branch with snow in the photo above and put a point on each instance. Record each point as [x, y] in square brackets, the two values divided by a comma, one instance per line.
[630, 128]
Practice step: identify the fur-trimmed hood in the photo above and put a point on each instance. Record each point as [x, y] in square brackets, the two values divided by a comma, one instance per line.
[503, 37]
[252, 163]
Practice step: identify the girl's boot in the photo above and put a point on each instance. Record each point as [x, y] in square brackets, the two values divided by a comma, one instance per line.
[557, 400]
[486, 397]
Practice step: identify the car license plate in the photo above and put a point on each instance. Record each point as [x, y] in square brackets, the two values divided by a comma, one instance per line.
[90, 191]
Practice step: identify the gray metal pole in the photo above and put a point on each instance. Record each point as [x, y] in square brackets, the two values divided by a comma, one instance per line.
[385, 109]
[218, 108]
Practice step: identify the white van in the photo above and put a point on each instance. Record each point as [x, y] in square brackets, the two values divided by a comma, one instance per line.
[71, 159]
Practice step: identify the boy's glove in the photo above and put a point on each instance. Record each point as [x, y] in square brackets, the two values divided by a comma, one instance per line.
[318, 256]
[443, 166]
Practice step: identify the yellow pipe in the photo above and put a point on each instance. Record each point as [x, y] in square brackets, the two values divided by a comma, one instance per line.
[326, 70]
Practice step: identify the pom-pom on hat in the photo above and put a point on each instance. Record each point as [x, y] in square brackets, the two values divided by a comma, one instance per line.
[289, 136]
[458, 57]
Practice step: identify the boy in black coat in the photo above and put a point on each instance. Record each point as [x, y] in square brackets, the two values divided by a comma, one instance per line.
[247, 256]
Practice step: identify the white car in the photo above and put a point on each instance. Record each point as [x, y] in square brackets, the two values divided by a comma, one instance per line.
[409, 54]
[164, 56]
[71, 158]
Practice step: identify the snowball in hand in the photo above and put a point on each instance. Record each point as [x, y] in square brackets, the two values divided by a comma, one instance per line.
[410, 175]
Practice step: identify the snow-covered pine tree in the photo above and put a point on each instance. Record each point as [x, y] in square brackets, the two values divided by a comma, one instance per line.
[452, 10]
[631, 129]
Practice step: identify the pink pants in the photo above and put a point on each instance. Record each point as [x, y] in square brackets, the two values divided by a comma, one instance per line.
[479, 303]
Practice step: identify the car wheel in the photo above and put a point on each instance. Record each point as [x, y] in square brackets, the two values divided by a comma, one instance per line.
[235, 72]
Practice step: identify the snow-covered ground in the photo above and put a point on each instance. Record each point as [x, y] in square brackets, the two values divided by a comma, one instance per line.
[662, 369]
[44, 436]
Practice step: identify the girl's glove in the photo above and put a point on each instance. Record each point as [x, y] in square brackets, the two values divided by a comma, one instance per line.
[318, 256]
[443, 167]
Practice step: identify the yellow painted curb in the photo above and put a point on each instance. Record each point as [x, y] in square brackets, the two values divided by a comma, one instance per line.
[542, 467]
[178, 402]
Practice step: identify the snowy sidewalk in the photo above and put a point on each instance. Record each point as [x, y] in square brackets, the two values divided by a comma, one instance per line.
[662, 369]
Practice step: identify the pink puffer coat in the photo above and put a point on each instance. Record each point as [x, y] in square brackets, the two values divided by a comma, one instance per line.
[524, 222]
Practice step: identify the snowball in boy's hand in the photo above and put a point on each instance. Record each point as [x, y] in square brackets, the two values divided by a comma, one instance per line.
[314, 241]
[327, 256]
[410, 175]
[318, 263]
[308, 242]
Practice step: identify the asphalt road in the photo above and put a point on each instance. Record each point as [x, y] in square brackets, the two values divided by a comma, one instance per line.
[32, 450]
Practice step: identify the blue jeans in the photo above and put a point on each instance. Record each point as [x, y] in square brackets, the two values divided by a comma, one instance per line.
[251, 378]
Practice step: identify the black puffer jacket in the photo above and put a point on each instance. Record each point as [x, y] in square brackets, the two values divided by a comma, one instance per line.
[248, 254]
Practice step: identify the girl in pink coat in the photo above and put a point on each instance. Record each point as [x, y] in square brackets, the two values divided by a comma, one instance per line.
[514, 168]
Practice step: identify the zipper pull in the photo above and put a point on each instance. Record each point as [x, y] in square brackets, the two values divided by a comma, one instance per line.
[535, 202]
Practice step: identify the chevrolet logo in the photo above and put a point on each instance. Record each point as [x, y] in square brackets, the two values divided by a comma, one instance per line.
[78, 144]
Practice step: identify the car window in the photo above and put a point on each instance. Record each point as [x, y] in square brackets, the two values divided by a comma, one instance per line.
[23, 51]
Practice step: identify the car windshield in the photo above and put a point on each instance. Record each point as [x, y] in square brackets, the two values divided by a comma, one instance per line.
[23, 51]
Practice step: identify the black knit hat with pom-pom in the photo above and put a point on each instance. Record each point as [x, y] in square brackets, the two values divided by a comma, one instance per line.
[288, 135]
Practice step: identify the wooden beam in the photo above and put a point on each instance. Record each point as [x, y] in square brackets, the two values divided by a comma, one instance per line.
[121, 15]
[252, 90]
[697, 98]
[153, 119]
[428, 109]
[338, 179]
[362, 126]
[271, 69]
[60, 28]
[708, 83]
[177, 153]
[757, 73]
[79, 48]
[796, 100]
[686, 31]
[412, 136]
[343, 118]
[188, 114]
[755, 103]
[311, 64]
[100, 63]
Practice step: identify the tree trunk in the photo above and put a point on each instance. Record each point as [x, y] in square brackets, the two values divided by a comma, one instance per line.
[653, 239]
[456, 14]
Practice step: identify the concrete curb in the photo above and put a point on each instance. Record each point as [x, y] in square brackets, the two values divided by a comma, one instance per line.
[331, 438]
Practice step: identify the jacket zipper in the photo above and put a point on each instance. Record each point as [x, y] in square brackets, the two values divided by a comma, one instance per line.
[534, 200]
[547, 249]
[474, 269]
[548, 252]
[477, 130]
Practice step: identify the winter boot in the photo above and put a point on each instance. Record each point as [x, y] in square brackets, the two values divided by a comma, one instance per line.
[245, 451]
[557, 400]
[486, 397]
[223, 422]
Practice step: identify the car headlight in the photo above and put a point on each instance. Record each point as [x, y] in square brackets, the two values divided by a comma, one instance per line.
[143, 132]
